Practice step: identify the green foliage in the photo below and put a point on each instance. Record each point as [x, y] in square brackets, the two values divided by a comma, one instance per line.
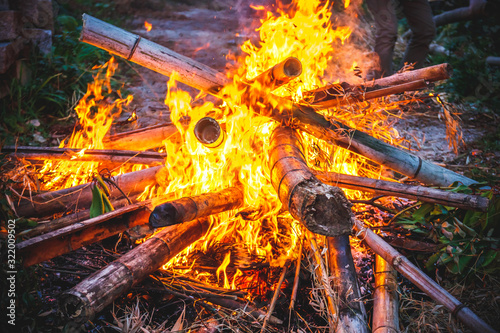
[469, 44]
[100, 201]
[470, 238]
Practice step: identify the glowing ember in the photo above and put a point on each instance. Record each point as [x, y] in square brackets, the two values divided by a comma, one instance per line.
[148, 26]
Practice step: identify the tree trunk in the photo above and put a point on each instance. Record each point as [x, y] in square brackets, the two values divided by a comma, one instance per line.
[421, 280]
[93, 294]
[420, 193]
[476, 9]
[351, 310]
[385, 298]
[323, 209]
[80, 196]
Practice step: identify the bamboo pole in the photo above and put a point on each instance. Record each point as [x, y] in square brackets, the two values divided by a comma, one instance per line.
[279, 74]
[332, 97]
[421, 280]
[65, 221]
[429, 74]
[197, 75]
[72, 237]
[87, 155]
[142, 138]
[351, 310]
[420, 193]
[93, 294]
[385, 298]
[190, 208]
[80, 196]
[321, 208]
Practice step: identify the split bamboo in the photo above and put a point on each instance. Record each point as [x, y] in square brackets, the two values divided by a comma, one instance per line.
[72, 237]
[142, 138]
[89, 155]
[190, 208]
[93, 294]
[197, 75]
[420, 193]
[421, 280]
[385, 298]
[351, 310]
[79, 197]
[321, 208]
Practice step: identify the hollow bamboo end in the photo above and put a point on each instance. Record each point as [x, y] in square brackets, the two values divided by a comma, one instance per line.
[75, 306]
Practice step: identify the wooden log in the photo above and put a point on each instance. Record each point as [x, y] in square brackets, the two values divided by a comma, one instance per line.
[141, 138]
[419, 193]
[93, 294]
[385, 298]
[107, 156]
[278, 75]
[351, 310]
[200, 76]
[79, 197]
[493, 60]
[321, 208]
[65, 221]
[72, 237]
[190, 208]
[335, 97]
[429, 74]
[421, 280]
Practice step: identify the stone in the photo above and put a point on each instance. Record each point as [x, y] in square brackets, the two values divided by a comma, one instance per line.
[9, 52]
[10, 25]
[40, 38]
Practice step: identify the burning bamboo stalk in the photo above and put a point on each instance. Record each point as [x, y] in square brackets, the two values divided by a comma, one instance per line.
[72, 237]
[421, 280]
[87, 155]
[322, 209]
[142, 138]
[65, 221]
[93, 294]
[385, 298]
[332, 97]
[190, 208]
[278, 75]
[162, 60]
[80, 196]
[351, 310]
[420, 193]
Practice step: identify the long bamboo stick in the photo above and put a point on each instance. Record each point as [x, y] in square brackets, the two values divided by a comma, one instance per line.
[197, 75]
[322, 209]
[72, 237]
[190, 208]
[420, 193]
[142, 138]
[385, 298]
[79, 197]
[421, 280]
[351, 310]
[87, 155]
[93, 294]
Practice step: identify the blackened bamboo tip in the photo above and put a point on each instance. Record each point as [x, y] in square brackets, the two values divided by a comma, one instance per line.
[164, 215]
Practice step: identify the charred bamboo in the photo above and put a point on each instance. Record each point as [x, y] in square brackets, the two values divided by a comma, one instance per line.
[420, 193]
[322, 209]
[190, 208]
[79, 197]
[87, 155]
[279, 74]
[421, 280]
[72, 237]
[142, 138]
[385, 298]
[197, 75]
[93, 294]
[351, 310]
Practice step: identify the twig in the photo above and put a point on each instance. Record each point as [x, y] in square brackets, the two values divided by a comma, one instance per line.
[296, 279]
[275, 297]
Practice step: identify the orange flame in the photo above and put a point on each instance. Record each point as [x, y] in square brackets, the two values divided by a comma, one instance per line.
[148, 26]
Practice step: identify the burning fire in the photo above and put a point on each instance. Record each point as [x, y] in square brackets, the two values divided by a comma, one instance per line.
[259, 232]
[148, 26]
